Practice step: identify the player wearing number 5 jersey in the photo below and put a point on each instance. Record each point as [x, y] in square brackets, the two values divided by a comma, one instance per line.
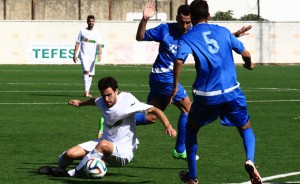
[216, 91]
[161, 76]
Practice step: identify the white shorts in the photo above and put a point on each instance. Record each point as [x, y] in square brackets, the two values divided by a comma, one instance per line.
[89, 145]
[88, 66]
[120, 156]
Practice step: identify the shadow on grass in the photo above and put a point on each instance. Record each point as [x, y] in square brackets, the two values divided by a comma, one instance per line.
[155, 168]
[81, 181]
[74, 180]
[110, 176]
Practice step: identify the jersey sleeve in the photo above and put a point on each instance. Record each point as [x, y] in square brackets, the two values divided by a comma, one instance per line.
[78, 40]
[236, 44]
[99, 39]
[126, 105]
[155, 34]
[136, 105]
[183, 50]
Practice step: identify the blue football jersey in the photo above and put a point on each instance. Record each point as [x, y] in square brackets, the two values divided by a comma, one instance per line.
[167, 35]
[211, 46]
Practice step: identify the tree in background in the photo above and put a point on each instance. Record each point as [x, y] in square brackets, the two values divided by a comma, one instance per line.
[252, 17]
[228, 16]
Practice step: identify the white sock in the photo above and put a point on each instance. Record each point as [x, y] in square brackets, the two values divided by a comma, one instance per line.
[72, 172]
[86, 80]
[90, 82]
[94, 153]
[62, 163]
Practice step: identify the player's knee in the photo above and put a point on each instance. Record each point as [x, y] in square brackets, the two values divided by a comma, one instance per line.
[69, 154]
[185, 105]
[246, 126]
[105, 147]
[86, 72]
[74, 153]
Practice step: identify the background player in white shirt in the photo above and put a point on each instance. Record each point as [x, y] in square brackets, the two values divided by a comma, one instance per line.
[89, 40]
[118, 142]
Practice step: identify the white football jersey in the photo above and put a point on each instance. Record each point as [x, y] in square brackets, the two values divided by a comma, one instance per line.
[119, 120]
[88, 39]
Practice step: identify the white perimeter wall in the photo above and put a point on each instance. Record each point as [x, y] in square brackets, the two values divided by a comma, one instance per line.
[52, 42]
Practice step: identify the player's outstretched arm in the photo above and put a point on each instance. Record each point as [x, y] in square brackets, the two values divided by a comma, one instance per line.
[242, 31]
[176, 70]
[75, 52]
[79, 103]
[99, 52]
[247, 59]
[163, 118]
[149, 11]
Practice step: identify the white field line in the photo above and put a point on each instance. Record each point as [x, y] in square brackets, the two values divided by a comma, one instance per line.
[34, 103]
[58, 103]
[63, 84]
[138, 85]
[58, 91]
[139, 91]
[148, 69]
[276, 177]
[270, 101]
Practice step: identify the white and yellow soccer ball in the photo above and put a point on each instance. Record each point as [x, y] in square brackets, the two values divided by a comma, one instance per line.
[95, 168]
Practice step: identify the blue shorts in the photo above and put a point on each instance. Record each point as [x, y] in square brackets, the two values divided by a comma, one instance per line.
[232, 113]
[163, 91]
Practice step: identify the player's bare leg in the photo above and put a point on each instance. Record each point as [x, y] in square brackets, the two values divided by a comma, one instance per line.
[67, 158]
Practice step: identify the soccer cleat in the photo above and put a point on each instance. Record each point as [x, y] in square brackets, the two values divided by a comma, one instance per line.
[100, 133]
[183, 176]
[57, 172]
[47, 170]
[182, 156]
[177, 155]
[253, 172]
[87, 94]
[101, 122]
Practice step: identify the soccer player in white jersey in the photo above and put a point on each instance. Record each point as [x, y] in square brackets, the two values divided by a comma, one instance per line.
[118, 142]
[88, 40]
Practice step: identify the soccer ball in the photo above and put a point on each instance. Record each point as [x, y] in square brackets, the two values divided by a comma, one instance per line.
[95, 168]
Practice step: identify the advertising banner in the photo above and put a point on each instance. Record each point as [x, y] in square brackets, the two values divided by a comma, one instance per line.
[50, 53]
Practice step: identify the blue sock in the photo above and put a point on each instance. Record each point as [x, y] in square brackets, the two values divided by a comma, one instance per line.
[140, 118]
[181, 132]
[191, 149]
[249, 143]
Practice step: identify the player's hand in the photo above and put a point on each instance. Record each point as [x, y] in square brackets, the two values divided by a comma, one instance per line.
[171, 132]
[149, 10]
[74, 103]
[174, 92]
[249, 65]
[99, 57]
[74, 59]
[243, 31]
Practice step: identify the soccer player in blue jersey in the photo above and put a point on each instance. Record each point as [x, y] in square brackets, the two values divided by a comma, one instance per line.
[216, 91]
[161, 76]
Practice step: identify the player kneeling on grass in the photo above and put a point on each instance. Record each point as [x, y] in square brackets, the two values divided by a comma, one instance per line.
[118, 142]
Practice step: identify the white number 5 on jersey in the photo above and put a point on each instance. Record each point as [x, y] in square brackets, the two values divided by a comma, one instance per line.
[212, 44]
